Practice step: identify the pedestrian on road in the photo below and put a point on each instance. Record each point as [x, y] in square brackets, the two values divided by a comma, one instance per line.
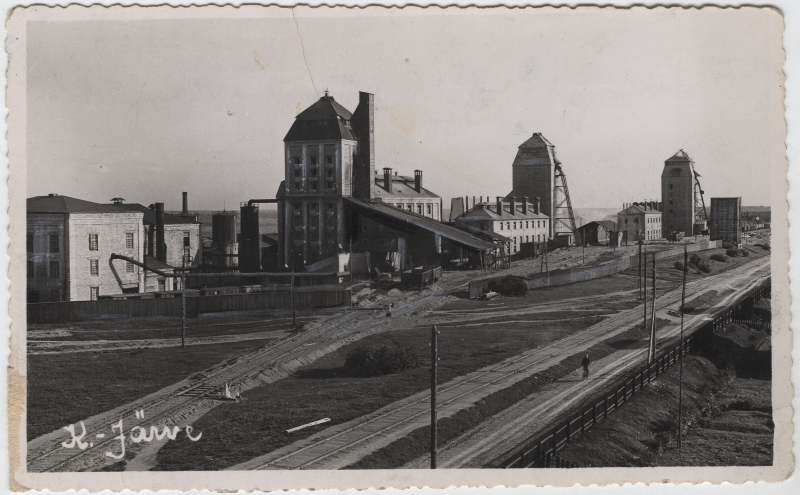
[585, 362]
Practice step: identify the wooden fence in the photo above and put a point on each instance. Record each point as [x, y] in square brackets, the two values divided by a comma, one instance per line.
[582, 274]
[542, 450]
[281, 298]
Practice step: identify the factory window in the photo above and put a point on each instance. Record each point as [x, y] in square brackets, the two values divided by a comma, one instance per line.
[329, 159]
[313, 186]
[526, 224]
[29, 243]
[92, 242]
[508, 225]
[410, 207]
[313, 160]
[329, 206]
[329, 184]
[296, 160]
[670, 210]
[94, 267]
[93, 293]
[670, 187]
[313, 171]
[670, 202]
[55, 270]
[501, 225]
[626, 220]
[400, 205]
[527, 238]
[430, 209]
[329, 172]
[419, 209]
[162, 286]
[30, 269]
[128, 240]
[298, 186]
[41, 274]
[298, 173]
[515, 225]
[54, 243]
[128, 267]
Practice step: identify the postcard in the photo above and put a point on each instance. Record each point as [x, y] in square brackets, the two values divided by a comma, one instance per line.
[273, 248]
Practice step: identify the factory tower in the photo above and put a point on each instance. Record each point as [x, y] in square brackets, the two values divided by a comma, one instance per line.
[683, 208]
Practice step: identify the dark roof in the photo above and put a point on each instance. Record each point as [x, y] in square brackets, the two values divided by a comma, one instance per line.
[488, 211]
[158, 265]
[323, 120]
[606, 224]
[536, 141]
[66, 204]
[680, 156]
[449, 232]
[150, 214]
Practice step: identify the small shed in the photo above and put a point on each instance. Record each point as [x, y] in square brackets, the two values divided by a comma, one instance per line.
[598, 233]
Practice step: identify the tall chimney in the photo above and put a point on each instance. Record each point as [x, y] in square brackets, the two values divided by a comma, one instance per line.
[185, 203]
[363, 124]
[418, 180]
[536, 205]
[500, 205]
[524, 205]
[513, 205]
[161, 247]
[387, 179]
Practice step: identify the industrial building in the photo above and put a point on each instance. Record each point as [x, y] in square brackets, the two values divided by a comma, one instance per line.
[69, 244]
[640, 222]
[537, 173]
[726, 215]
[332, 202]
[521, 222]
[682, 196]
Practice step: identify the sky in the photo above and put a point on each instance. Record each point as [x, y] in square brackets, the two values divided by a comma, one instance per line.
[145, 109]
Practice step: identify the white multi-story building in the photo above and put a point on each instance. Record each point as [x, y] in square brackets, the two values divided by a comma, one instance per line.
[641, 222]
[69, 244]
[521, 222]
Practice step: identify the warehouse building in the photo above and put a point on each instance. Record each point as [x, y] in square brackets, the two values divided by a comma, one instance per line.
[641, 222]
[520, 221]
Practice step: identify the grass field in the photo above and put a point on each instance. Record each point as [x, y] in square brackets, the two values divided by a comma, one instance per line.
[71, 387]
[238, 432]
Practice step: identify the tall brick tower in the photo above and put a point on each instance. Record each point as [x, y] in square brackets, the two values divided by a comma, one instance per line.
[678, 194]
[534, 173]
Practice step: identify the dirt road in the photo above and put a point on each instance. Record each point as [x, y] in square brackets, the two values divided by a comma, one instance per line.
[344, 444]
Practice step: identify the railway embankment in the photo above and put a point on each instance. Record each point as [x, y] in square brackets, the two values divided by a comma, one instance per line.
[727, 410]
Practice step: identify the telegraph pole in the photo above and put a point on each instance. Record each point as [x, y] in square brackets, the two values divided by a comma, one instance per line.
[652, 351]
[643, 266]
[294, 313]
[183, 303]
[680, 373]
[640, 268]
[434, 359]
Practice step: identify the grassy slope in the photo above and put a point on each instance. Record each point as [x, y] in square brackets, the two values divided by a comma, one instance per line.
[66, 388]
[238, 432]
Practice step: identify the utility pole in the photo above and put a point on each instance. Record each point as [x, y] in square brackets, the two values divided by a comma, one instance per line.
[640, 268]
[583, 244]
[680, 373]
[183, 302]
[643, 265]
[434, 359]
[294, 313]
[351, 258]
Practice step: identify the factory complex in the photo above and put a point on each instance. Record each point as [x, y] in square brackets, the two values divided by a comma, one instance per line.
[341, 215]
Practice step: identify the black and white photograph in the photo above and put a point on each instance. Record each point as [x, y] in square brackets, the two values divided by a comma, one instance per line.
[511, 245]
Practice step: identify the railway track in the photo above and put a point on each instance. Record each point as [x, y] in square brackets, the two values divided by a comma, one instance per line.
[49, 456]
[310, 453]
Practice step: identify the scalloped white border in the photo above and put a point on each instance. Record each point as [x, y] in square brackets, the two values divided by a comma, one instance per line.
[464, 478]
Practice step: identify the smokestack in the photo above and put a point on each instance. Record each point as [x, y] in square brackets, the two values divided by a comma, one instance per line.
[387, 179]
[536, 205]
[513, 205]
[500, 206]
[185, 203]
[418, 180]
[524, 205]
[161, 247]
[363, 124]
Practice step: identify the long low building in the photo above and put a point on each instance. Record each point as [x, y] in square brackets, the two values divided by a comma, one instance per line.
[521, 222]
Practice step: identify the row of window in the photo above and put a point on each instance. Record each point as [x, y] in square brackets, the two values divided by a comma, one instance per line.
[55, 242]
[422, 208]
[538, 224]
[54, 269]
[330, 185]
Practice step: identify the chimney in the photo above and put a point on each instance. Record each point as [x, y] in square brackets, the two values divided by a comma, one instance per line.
[536, 205]
[185, 203]
[474, 203]
[513, 205]
[387, 179]
[500, 205]
[363, 124]
[418, 180]
[524, 205]
[161, 247]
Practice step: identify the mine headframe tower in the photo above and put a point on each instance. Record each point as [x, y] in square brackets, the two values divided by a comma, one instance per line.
[700, 215]
[563, 217]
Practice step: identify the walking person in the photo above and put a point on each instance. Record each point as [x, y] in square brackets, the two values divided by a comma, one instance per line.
[585, 362]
